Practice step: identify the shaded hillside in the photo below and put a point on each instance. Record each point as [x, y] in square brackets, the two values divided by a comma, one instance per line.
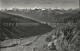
[13, 26]
[74, 18]
[44, 15]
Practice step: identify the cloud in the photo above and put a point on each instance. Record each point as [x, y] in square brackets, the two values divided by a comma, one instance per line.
[31, 3]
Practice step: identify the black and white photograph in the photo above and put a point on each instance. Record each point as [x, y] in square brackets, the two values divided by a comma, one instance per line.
[39, 25]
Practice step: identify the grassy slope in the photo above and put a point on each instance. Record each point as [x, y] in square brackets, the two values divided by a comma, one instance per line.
[20, 31]
[45, 15]
[74, 18]
[64, 45]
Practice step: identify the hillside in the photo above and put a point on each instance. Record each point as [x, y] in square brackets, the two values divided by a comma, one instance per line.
[64, 37]
[67, 36]
[74, 18]
[44, 15]
[13, 26]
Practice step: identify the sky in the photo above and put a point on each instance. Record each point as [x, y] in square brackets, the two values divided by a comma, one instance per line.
[64, 4]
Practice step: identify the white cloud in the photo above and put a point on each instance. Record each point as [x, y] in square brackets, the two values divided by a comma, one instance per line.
[0, 5]
[42, 3]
